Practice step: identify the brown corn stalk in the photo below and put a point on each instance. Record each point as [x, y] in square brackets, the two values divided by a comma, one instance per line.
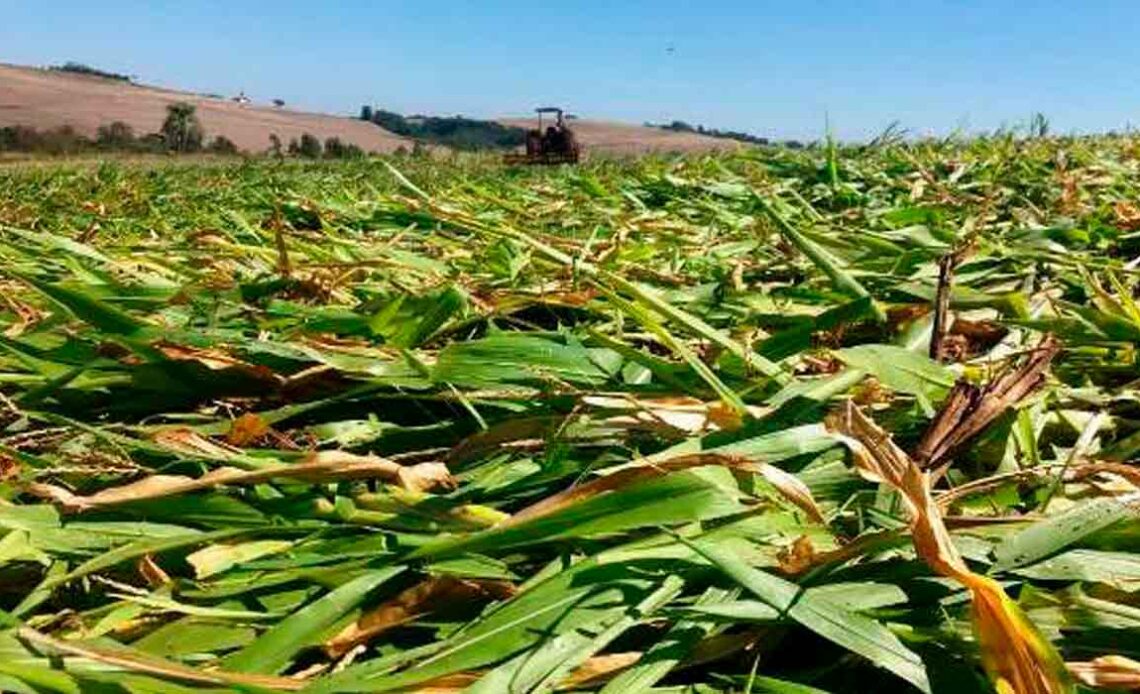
[968, 410]
[946, 267]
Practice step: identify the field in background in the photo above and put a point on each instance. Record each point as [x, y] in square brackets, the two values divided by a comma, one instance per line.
[50, 99]
[44, 99]
[424, 424]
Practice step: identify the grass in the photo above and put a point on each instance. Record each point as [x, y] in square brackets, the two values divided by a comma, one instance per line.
[437, 425]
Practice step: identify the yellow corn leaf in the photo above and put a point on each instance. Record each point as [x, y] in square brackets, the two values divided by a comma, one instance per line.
[1017, 657]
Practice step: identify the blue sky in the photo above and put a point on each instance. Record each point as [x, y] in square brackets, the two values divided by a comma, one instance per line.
[773, 69]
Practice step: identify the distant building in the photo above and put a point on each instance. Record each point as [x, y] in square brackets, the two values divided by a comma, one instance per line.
[241, 98]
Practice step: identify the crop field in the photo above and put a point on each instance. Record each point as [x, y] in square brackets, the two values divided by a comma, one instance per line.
[840, 419]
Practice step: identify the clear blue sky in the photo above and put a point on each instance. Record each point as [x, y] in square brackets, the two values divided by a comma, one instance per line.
[770, 68]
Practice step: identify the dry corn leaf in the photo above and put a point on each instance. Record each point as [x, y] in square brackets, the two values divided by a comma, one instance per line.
[1127, 215]
[152, 573]
[320, 467]
[191, 443]
[595, 671]
[787, 484]
[428, 596]
[1118, 479]
[797, 557]
[217, 360]
[246, 429]
[137, 662]
[685, 414]
[9, 467]
[1017, 657]
[1108, 672]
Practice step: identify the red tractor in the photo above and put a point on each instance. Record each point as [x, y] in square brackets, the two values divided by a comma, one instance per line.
[554, 145]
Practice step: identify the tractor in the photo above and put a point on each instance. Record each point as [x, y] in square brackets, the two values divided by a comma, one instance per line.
[555, 144]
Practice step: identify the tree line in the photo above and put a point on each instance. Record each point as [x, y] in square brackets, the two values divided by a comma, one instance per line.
[81, 69]
[683, 127]
[455, 132]
[181, 133]
[310, 147]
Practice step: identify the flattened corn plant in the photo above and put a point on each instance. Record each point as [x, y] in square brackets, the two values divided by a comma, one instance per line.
[842, 419]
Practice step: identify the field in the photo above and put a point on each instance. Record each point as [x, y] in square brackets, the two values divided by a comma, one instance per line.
[48, 99]
[842, 419]
[44, 100]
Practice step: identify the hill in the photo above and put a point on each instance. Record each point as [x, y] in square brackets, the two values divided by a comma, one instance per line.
[48, 99]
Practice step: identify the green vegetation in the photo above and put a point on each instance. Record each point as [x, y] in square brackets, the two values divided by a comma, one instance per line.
[681, 126]
[456, 132]
[81, 69]
[181, 131]
[309, 147]
[613, 428]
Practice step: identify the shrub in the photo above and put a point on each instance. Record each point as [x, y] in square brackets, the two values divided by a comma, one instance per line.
[310, 147]
[63, 140]
[223, 145]
[334, 148]
[117, 135]
[152, 142]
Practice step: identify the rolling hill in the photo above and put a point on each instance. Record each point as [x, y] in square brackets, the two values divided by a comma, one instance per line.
[47, 99]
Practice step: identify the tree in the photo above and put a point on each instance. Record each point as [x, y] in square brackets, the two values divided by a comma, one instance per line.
[366, 113]
[181, 129]
[278, 103]
[117, 135]
[310, 147]
[20, 138]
